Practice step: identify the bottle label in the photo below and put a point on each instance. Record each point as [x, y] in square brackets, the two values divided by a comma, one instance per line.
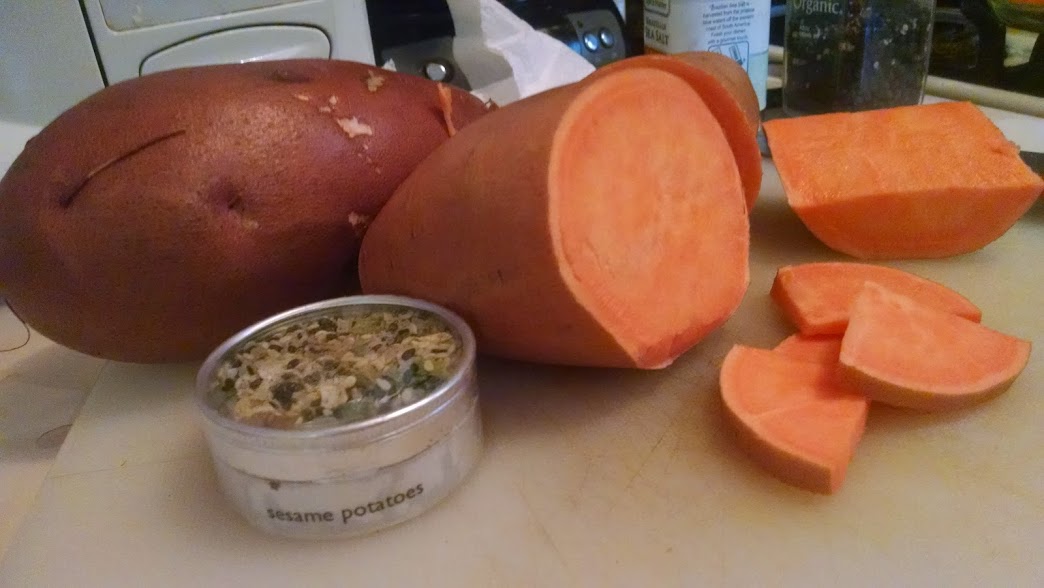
[735, 28]
[846, 55]
[822, 7]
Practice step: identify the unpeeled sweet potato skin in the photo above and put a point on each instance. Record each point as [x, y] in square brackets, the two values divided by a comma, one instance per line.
[162, 214]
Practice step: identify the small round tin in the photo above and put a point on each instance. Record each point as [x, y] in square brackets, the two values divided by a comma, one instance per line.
[350, 478]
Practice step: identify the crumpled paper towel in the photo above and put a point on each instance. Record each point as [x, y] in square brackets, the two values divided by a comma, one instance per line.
[504, 57]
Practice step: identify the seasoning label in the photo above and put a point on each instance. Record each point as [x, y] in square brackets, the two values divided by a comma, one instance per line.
[346, 514]
[361, 502]
[738, 29]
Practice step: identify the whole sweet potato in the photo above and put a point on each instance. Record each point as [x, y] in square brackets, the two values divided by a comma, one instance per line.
[164, 213]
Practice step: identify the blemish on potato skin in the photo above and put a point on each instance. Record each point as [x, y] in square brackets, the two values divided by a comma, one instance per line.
[66, 200]
[359, 221]
[290, 76]
[224, 194]
[302, 97]
[374, 81]
[354, 127]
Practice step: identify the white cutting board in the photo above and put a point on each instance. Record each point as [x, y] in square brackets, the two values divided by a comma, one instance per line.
[597, 477]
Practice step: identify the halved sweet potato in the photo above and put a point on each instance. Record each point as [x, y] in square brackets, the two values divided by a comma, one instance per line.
[816, 297]
[901, 352]
[567, 229]
[793, 416]
[908, 182]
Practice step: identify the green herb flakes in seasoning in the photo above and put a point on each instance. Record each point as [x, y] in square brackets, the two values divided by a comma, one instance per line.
[338, 369]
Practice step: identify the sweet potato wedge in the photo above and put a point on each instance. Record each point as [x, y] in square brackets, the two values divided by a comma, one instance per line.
[904, 353]
[816, 297]
[922, 181]
[793, 416]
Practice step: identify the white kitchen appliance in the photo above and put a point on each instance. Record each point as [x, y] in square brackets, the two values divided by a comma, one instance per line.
[54, 53]
[57, 52]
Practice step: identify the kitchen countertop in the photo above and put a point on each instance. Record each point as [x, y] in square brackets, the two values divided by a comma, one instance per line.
[590, 477]
[42, 386]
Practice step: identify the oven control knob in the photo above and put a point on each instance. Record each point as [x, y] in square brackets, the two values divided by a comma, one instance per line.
[436, 71]
[607, 37]
[591, 42]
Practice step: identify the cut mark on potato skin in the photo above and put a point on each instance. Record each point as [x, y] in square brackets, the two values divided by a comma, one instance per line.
[67, 200]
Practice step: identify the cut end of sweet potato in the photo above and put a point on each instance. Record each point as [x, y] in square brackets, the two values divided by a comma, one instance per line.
[566, 230]
[633, 231]
[904, 353]
[727, 94]
[882, 184]
[816, 297]
[793, 416]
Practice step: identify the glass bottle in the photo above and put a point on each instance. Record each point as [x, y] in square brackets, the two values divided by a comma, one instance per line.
[738, 29]
[848, 55]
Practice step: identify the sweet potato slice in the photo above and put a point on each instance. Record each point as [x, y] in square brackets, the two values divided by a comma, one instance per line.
[920, 181]
[567, 230]
[794, 417]
[816, 297]
[722, 89]
[823, 349]
[904, 353]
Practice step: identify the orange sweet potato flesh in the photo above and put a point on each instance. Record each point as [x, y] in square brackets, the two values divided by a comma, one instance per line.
[162, 214]
[565, 228]
[921, 181]
[727, 92]
[900, 352]
[823, 349]
[793, 416]
[816, 297]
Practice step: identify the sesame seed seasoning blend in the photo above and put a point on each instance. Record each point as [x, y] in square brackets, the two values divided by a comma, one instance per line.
[334, 370]
[342, 417]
